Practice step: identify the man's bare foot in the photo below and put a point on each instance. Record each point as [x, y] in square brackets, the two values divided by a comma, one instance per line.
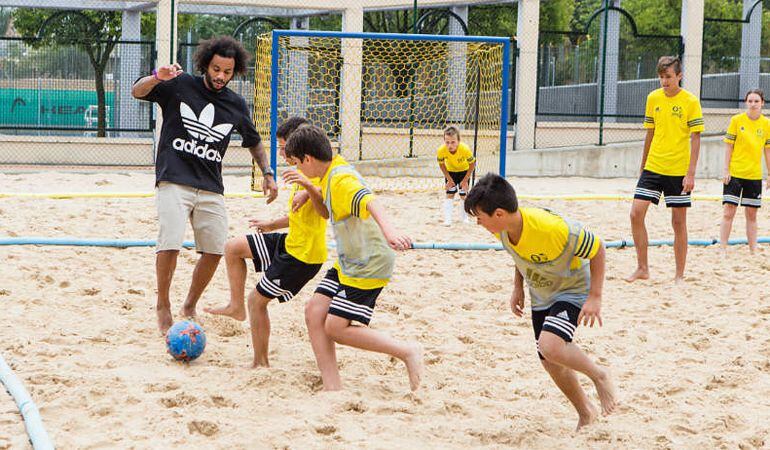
[679, 280]
[188, 312]
[414, 366]
[234, 312]
[639, 274]
[589, 418]
[606, 390]
[257, 363]
[165, 320]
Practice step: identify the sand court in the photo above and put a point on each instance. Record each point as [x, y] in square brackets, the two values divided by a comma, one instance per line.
[691, 362]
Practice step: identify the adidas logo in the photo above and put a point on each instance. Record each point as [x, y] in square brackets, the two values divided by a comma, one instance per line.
[563, 315]
[341, 294]
[276, 282]
[201, 127]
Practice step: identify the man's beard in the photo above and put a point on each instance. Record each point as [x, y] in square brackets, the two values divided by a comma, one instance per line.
[210, 83]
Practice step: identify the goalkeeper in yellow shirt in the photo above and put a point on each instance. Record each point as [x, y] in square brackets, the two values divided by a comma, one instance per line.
[457, 163]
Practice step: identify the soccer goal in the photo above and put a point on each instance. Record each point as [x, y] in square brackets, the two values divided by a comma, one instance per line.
[384, 99]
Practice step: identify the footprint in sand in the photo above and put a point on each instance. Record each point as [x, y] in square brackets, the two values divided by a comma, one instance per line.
[222, 402]
[181, 399]
[204, 427]
[161, 387]
[325, 430]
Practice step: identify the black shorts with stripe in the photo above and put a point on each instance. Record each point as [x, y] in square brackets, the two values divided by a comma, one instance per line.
[560, 319]
[740, 191]
[348, 302]
[457, 177]
[284, 275]
[651, 185]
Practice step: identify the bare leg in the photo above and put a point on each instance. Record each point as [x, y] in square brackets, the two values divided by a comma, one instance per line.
[165, 264]
[567, 382]
[679, 224]
[260, 327]
[555, 350]
[728, 214]
[342, 332]
[751, 227]
[204, 270]
[316, 311]
[236, 252]
[639, 232]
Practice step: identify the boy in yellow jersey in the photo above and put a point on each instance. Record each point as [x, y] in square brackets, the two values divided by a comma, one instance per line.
[457, 163]
[747, 135]
[674, 122]
[563, 264]
[365, 240]
[288, 260]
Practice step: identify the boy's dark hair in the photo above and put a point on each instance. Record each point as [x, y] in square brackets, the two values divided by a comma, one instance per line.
[491, 192]
[452, 131]
[309, 140]
[759, 92]
[289, 126]
[224, 46]
[664, 62]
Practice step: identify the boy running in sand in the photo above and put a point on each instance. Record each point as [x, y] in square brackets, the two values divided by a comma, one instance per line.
[563, 264]
[365, 239]
[288, 260]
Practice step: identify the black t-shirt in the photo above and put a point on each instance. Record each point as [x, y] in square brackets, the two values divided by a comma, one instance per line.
[197, 123]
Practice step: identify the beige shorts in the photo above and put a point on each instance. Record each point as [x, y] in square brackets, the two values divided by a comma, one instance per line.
[206, 211]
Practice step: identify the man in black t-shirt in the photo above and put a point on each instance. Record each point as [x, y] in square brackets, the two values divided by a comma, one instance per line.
[199, 114]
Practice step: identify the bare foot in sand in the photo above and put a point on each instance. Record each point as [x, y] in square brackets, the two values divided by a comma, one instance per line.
[259, 364]
[606, 390]
[589, 418]
[165, 320]
[188, 312]
[232, 311]
[679, 280]
[414, 366]
[639, 274]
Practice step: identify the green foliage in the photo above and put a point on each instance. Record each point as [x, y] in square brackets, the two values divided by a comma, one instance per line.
[492, 20]
[326, 22]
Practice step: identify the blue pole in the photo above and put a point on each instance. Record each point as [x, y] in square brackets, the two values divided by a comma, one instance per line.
[504, 105]
[32, 421]
[274, 54]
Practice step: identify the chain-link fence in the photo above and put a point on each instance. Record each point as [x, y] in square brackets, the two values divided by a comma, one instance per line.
[594, 83]
[58, 90]
[734, 60]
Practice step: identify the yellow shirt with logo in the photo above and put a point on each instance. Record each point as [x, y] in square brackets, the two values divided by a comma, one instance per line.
[349, 197]
[544, 236]
[306, 240]
[674, 119]
[458, 161]
[748, 137]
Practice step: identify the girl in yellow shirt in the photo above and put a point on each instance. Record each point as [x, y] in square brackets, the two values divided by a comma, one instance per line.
[747, 136]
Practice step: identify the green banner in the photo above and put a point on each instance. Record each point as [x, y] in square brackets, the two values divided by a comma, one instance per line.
[52, 108]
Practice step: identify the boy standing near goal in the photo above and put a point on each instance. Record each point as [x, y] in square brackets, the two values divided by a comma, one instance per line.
[563, 264]
[365, 241]
[674, 122]
[457, 163]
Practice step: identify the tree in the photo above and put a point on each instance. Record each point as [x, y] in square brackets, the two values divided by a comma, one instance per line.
[94, 32]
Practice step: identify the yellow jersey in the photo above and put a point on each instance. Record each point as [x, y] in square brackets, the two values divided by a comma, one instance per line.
[748, 137]
[674, 119]
[306, 240]
[349, 197]
[459, 161]
[544, 236]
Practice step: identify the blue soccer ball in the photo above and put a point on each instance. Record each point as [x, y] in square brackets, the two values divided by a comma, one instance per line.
[185, 340]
